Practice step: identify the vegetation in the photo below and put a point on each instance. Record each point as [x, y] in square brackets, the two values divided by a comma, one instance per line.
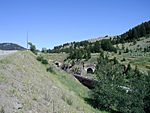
[85, 47]
[133, 34]
[29, 83]
[2, 110]
[120, 89]
[11, 46]
[42, 60]
[119, 85]
[32, 48]
[51, 70]
[107, 45]
[80, 54]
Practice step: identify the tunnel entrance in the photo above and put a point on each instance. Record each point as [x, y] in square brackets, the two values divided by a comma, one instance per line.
[90, 70]
[57, 64]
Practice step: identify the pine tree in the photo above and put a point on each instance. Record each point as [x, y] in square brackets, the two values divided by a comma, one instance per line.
[142, 30]
[135, 35]
[32, 48]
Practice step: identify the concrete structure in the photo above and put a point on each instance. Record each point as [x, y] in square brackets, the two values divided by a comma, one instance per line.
[85, 81]
[57, 63]
[90, 68]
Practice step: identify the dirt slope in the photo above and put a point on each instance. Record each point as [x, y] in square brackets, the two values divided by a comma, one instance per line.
[26, 87]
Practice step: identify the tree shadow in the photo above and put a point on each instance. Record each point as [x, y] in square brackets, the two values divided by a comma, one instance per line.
[100, 107]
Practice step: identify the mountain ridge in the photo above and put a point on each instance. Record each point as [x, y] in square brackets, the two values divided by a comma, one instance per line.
[11, 46]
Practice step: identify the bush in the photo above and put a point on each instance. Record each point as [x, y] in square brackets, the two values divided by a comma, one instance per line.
[119, 52]
[44, 61]
[50, 69]
[115, 60]
[2, 110]
[39, 58]
[127, 50]
[107, 46]
[123, 60]
[68, 100]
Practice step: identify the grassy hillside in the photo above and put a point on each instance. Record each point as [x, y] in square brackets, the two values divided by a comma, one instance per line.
[135, 55]
[26, 87]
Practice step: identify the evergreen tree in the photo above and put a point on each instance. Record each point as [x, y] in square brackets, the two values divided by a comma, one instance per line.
[142, 30]
[96, 47]
[32, 48]
[106, 45]
[135, 35]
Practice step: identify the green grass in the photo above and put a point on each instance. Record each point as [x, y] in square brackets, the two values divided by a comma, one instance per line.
[2, 78]
[69, 82]
[55, 56]
[135, 58]
[75, 91]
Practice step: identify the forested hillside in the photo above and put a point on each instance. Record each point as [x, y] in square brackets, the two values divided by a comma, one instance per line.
[142, 30]
[11, 46]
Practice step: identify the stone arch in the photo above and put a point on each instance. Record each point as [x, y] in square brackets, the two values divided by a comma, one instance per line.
[58, 64]
[90, 70]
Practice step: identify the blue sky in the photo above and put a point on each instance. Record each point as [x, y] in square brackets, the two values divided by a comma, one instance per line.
[54, 22]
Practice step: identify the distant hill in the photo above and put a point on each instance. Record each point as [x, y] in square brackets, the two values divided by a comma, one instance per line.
[11, 46]
[141, 30]
[94, 44]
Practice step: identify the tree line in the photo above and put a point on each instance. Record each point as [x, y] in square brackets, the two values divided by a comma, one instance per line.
[83, 49]
[142, 30]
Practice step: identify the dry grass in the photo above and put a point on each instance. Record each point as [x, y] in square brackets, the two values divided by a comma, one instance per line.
[30, 88]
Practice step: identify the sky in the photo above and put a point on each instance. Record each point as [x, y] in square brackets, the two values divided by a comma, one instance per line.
[53, 22]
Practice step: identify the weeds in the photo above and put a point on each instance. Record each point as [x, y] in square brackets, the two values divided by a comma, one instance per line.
[68, 100]
[2, 110]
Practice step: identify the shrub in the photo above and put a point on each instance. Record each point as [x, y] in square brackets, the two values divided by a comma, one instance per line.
[39, 58]
[115, 60]
[50, 69]
[44, 61]
[2, 110]
[119, 52]
[107, 46]
[69, 101]
[123, 60]
[127, 50]
[134, 42]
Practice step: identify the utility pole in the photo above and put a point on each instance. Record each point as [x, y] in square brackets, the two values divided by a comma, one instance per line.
[27, 40]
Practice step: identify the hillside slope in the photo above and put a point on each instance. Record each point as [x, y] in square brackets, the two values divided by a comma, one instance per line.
[26, 87]
[11, 46]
